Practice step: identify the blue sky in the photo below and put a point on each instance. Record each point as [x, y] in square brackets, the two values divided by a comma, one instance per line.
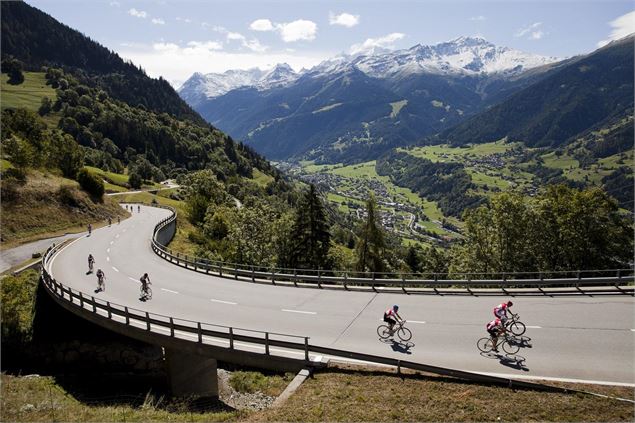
[174, 39]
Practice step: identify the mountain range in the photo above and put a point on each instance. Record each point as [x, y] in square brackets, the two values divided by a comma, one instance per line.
[356, 107]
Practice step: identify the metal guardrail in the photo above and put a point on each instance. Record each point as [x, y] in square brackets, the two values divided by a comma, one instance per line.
[575, 279]
[196, 332]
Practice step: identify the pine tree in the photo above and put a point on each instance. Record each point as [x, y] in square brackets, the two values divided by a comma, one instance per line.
[310, 236]
[412, 259]
[371, 246]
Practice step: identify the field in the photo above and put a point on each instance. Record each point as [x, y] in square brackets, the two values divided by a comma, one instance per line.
[29, 94]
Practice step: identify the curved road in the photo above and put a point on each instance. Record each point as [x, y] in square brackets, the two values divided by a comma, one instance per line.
[590, 339]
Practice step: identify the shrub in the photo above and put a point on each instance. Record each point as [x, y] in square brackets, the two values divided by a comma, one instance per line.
[90, 183]
[134, 180]
[18, 296]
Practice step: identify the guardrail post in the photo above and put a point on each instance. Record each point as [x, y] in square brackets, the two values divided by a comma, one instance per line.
[345, 287]
[403, 284]
[540, 287]
[577, 285]
[319, 279]
[468, 286]
[267, 343]
[273, 277]
[236, 271]
[295, 277]
[220, 270]
[171, 327]
[306, 348]
[231, 338]
[253, 276]
[206, 266]
[127, 315]
[81, 299]
[200, 332]
[436, 279]
[147, 321]
[109, 310]
[94, 304]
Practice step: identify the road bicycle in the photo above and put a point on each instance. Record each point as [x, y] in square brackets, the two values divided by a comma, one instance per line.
[403, 333]
[101, 283]
[90, 267]
[506, 341]
[146, 293]
[514, 325]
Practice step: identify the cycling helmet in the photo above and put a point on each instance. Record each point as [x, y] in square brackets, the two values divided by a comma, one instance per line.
[395, 307]
[145, 274]
[509, 304]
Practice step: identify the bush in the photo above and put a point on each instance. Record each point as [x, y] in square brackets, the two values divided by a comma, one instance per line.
[90, 183]
[18, 296]
[134, 180]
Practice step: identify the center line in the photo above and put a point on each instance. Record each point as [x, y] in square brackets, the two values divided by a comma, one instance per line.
[299, 311]
[534, 327]
[115, 269]
[632, 330]
[415, 321]
[117, 236]
[107, 258]
[112, 242]
[132, 279]
[222, 302]
[169, 290]
[108, 250]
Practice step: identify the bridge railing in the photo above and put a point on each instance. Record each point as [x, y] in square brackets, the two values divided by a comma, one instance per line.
[378, 280]
[190, 330]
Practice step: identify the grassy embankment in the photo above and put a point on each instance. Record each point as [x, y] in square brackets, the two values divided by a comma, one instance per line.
[29, 95]
[48, 205]
[349, 395]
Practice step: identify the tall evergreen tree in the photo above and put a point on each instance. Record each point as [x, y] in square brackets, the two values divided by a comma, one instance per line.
[372, 244]
[310, 235]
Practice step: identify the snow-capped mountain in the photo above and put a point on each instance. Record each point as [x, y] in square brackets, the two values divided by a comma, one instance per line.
[200, 87]
[463, 55]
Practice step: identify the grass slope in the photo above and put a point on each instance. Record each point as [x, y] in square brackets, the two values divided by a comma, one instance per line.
[28, 94]
[48, 205]
[347, 395]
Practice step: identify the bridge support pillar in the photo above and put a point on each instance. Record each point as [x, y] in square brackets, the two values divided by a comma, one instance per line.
[191, 374]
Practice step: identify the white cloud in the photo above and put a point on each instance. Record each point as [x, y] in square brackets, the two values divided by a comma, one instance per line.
[622, 26]
[158, 21]
[528, 29]
[177, 62]
[137, 13]
[253, 44]
[478, 18]
[297, 30]
[261, 25]
[386, 41]
[186, 20]
[343, 19]
[536, 35]
[115, 3]
[205, 45]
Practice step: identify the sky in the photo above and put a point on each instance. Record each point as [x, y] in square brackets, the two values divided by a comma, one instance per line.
[174, 39]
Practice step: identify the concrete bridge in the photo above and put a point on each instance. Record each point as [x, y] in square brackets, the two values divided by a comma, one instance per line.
[578, 332]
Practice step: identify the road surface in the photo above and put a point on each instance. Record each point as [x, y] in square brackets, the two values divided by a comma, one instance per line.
[577, 337]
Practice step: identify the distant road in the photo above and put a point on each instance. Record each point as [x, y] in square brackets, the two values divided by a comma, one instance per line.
[576, 337]
[14, 256]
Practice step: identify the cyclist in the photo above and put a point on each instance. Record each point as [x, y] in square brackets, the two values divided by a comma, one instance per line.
[138, 209]
[495, 328]
[91, 262]
[500, 311]
[110, 221]
[145, 281]
[90, 229]
[100, 280]
[391, 317]
[118, 220]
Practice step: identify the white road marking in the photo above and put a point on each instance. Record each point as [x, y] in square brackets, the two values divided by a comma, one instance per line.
[108, 250]
[124, 230]
[632, 330]
[533, 327]
[222, 302]
[299, 311]
[132, 279]
[415, 321]
[107, 258]
[117, 236]
[115, 269]
[112, 242]
[169, 290]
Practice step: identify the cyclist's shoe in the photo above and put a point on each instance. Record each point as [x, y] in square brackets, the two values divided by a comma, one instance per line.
[495, 349]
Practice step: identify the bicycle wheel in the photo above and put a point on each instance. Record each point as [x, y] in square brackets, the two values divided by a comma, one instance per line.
[485, 344]
[383, 331]
[517, 328]
[149, 293]
[510, 347]
[404, 334]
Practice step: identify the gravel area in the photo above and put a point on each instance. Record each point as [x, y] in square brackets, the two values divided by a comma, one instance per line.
[238, 400]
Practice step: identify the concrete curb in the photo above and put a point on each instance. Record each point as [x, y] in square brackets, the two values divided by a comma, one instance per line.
[297, 381]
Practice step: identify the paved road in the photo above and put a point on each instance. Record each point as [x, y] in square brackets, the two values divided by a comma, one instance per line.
[575, 337]
[17, 255]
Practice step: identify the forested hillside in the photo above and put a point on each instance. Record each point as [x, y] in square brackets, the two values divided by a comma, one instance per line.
[37, 39]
